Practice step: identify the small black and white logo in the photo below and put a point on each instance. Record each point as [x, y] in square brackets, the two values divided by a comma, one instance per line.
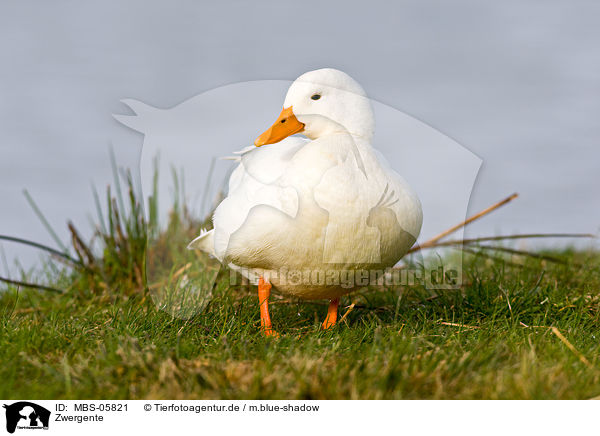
[26, 415]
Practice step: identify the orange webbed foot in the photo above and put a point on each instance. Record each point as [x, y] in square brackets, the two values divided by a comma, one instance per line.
[270, 333]
[264, 292]
[332, 312]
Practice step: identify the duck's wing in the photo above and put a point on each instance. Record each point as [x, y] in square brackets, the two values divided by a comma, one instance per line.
[268, 163]
[254, 182]
[400, 197]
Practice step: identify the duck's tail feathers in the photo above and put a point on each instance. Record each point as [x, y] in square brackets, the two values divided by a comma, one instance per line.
[238, 154]
[205, 242]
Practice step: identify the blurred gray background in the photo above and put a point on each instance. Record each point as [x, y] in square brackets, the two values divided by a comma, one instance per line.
[515, 82]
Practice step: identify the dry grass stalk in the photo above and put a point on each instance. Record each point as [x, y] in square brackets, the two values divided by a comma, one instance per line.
[432, 242]
[176, 274]
[509, 237]
[571, 347]
[350, 309]
[453, 324]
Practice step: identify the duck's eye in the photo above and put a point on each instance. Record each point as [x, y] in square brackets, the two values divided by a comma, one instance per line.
[316, 96]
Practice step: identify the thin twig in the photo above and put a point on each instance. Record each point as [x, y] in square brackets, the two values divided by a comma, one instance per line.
[30, 285]
[433, 240]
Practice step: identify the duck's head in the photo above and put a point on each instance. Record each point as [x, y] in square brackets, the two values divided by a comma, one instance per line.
[320, 103]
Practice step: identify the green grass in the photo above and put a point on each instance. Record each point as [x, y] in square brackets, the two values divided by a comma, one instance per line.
[117, 346]
[105, 338]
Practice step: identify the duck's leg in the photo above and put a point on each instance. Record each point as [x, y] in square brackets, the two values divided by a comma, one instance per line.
[331, 314]
[264, 292]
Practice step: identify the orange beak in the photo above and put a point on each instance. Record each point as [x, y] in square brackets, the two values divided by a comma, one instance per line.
[287, 124]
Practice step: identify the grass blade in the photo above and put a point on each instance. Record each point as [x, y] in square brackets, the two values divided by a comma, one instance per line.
[41, 247]
[115, 171]
[44, 221]
[98, 209]
[207, 186]
[30, 285]
[522, 253]
[508, 237]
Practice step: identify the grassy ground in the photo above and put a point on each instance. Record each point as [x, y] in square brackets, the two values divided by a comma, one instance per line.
[117, 346]
[522, 331]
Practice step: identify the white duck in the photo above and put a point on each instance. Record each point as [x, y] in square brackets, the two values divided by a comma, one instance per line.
[314, 217]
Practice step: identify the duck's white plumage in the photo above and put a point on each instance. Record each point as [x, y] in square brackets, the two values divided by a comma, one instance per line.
[322, 205]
